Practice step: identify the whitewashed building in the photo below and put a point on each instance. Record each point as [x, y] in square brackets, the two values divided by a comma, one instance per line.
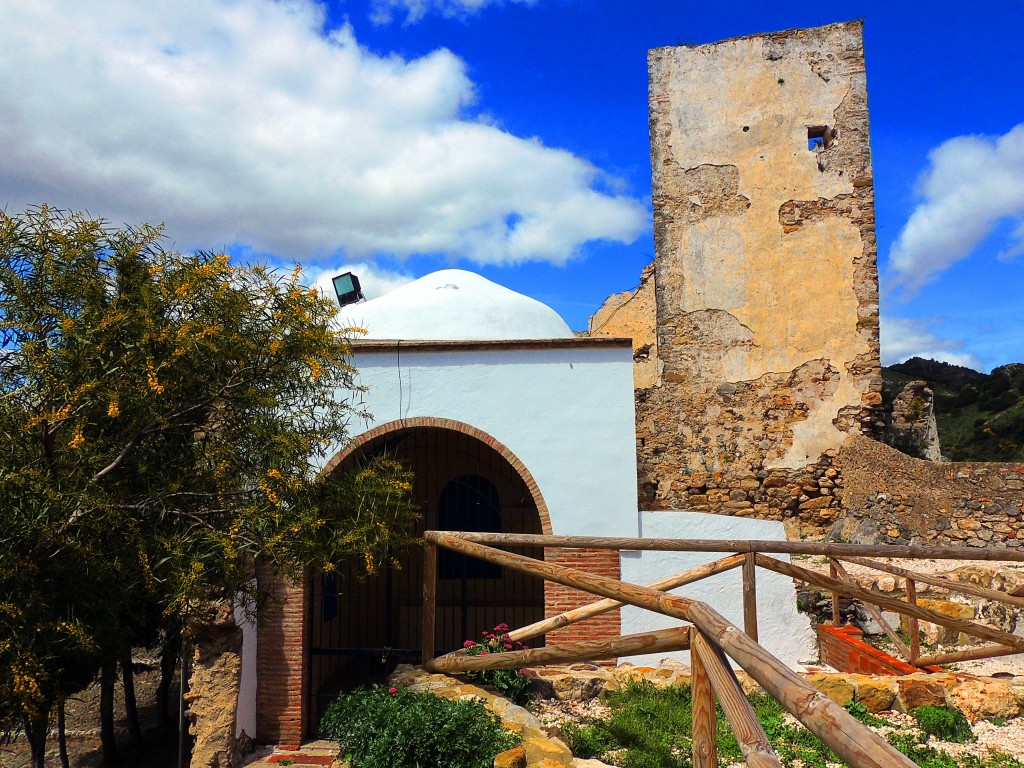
[510, 423]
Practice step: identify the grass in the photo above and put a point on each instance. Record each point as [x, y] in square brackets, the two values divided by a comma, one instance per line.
[650, 727]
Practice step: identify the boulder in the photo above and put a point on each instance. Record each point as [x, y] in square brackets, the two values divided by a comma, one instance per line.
[511, 758]
[836, 687]
[936, 634]
[920, 691]
[982, 698]
[877, 694]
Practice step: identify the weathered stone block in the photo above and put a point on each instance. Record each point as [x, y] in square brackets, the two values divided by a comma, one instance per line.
[920, 691]
[981, 698]
[876, 694]
[836, 687]
[511, 758]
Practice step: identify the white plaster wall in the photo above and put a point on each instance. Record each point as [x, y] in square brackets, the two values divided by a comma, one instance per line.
[781, 629]
[246, 712]
[565, 412]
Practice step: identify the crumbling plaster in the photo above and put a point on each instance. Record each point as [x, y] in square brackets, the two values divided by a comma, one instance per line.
[730, 157]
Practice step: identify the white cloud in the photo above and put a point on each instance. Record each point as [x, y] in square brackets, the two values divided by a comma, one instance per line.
[903, 338]
[241, 122]
[373, 280]
[383, 11]
[971, 185]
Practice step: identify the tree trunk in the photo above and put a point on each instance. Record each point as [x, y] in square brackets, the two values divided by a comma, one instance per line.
[168, 663]
[62, 741]
[107, 739]
[35, 731]
[130, 707]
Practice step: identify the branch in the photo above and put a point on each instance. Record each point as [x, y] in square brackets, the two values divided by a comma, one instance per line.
[122, 456]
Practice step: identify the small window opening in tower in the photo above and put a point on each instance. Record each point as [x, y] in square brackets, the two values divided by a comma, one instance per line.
[820, 137]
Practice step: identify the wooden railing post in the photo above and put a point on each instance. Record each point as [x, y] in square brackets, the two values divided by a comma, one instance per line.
[429, 601]
[750, 595]
[837, 616]
[753, 741]
[705, 729]
[852, 741]
[899, 605]
[912, 626]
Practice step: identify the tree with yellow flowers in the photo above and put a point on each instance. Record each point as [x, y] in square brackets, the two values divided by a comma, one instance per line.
[162, 421]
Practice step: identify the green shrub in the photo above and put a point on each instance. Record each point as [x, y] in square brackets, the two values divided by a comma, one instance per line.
[588, 741]
[860, 712]
[513, 684]
[945, 724]
[399, 728]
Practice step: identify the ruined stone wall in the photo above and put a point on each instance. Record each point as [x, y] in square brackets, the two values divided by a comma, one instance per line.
[891, 498]
[633, 315]
[765, 277]
[755, 335]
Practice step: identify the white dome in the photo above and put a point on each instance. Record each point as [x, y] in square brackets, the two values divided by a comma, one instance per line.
[455, 305]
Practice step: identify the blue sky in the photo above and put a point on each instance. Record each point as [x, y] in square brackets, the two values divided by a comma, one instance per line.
[402, 136]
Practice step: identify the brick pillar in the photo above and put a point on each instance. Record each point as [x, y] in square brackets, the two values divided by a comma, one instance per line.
[281, 695]
[558, 599]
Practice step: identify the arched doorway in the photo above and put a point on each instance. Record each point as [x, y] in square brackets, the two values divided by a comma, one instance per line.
[463, 480]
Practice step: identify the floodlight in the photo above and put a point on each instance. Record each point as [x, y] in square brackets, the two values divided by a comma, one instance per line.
[346, 287]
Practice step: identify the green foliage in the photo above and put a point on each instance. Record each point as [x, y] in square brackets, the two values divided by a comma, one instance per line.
[162, 421]
[980, 416]
[513, 684]
[398, 728]
[946, 724]
[654, 727]
[588, 740]
[860, 712]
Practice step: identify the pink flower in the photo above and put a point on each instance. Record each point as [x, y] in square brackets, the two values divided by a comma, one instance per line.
[523, 672]
[501, 628]
[468, 644]
[392, 691]
[483, 653]
[508, 646]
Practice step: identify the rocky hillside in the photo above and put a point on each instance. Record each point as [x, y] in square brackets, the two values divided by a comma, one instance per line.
[980, 416]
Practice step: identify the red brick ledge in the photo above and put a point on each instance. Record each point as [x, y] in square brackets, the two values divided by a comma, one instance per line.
[576, 342]
[843, 649]
[357, 444]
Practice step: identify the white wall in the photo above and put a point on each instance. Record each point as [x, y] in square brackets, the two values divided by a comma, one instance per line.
[785, 632]
[565, 411]
[246, 712]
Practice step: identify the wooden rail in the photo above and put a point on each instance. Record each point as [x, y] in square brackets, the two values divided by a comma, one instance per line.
[711, 638]
[743, 545]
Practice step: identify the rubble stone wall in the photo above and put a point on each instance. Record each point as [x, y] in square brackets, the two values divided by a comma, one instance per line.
[891, 498]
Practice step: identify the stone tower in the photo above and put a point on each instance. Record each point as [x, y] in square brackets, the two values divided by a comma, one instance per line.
[765, 283]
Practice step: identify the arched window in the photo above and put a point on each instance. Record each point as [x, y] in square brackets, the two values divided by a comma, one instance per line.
[468, 503]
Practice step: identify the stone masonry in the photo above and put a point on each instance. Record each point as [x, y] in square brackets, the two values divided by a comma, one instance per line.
[765, 287]
[891, 498]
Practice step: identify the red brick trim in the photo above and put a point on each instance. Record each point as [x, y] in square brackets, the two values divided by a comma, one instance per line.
[281, 696]
[559, 598]
[842, 649]
[457, 426]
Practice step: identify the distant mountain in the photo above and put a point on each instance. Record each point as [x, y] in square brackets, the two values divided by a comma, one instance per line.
[980, 416]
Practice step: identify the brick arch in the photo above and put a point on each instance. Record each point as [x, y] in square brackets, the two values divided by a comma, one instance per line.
[456, 426]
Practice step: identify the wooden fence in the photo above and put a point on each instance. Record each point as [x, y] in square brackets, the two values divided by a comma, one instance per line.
[712, 639]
